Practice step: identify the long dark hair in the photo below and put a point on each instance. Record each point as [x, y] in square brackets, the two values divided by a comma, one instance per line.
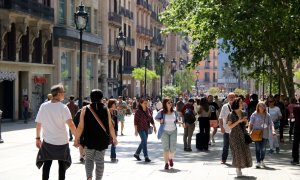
[165, 109]
[204, 104]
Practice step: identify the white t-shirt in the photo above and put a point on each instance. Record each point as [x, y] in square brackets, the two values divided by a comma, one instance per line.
[170, 122]
[223, 115]
[53, 117]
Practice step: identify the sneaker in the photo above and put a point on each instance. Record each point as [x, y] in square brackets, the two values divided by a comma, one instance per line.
[223, 162]
[258, 165]
[271, 151]
[239, 172]
[137, 157]
[262, 164]
[147, 159]
[277, 150]
[171, 162]
[166, 166]
[114, 160]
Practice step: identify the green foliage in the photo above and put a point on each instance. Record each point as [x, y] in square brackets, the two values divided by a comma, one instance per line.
[184, 80]
[214, 91]
[251, 31]
[297, 74]
[139, 74]
[170, 91]
[239, 91]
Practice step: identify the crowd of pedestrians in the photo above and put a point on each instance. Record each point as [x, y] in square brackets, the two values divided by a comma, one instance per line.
[96, 126]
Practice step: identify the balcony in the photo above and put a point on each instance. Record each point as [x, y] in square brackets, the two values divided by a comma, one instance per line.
[113, 50]
[157, 41]
[29, 7]
[126, 13]
[143, 30]
[127, 69]
[130, 42]
[144, 4]
[115, 19]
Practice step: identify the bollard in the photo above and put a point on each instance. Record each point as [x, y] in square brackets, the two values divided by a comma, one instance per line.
[1, 140]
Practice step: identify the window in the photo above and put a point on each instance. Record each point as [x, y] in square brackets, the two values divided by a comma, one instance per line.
[72, 9]
[109, 68]
[206, 77]
[115, 69]
[95, 21]
[88, 26]
[115, 6]
[124, 29]
[61, 12]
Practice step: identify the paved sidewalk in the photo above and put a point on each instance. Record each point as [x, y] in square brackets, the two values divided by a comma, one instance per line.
[18, 154]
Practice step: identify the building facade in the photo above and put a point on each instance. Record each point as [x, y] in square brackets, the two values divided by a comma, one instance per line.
[26, 62]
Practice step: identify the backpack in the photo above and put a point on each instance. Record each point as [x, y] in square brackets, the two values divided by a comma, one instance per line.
[189, 116]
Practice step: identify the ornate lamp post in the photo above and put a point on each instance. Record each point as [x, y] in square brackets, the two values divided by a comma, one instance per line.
[81, 20]
[146, 53]
[173, 70]
[121, 43]
[162, 60]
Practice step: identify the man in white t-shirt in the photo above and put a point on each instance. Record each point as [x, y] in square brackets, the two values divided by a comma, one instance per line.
[226, 109]
[52, 118]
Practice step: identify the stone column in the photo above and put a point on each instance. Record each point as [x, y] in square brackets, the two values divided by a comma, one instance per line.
[104, 48]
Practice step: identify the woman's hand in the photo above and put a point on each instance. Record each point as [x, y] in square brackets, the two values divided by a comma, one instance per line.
[154, 127]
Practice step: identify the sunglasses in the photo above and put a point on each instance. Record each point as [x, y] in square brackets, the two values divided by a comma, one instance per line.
[170, 102]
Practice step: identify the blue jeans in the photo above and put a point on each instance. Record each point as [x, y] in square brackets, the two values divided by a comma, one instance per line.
[113, 154]
[260, 150]
[143, 145]
[225, 146]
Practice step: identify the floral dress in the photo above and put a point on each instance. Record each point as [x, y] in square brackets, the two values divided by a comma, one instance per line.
[241, 154]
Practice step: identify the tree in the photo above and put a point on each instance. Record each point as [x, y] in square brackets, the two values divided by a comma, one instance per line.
[139, 74]
[214, 91]
[252, 31]
[170, 91]
[184, 80]
[239, 91]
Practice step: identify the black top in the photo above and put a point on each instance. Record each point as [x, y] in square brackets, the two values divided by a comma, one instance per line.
[213, 108]
[94, 136]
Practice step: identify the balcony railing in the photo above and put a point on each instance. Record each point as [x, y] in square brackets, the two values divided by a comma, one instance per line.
[157, 41]
[143, 30]
[126, 13]
[114, 17]
[30, 7]
[113, 50]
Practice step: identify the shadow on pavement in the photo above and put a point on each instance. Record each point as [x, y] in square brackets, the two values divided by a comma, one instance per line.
[246, 177]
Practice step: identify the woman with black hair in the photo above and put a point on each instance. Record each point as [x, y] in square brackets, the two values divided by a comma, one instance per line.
[204, 126]
[237, 122]
[97, 128]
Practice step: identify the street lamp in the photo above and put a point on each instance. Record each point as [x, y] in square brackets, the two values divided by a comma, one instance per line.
[173, 70]
[197, 74]
[146, 53]
[121, 43]
[162, 60]
[81, 20]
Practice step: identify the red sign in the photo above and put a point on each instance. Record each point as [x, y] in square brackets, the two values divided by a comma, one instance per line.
[39, 79]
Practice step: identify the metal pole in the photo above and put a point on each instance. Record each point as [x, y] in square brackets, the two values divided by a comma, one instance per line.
[145, 77]
[121, 73]
[270, 77]
[80, 72]
[161, 70]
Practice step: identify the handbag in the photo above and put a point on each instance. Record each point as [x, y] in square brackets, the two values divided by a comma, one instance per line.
[100, 123]
[257, 135]
[248, 139]
[150, 130]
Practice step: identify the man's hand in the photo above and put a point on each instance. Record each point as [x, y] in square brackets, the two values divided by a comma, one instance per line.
[38, 143]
